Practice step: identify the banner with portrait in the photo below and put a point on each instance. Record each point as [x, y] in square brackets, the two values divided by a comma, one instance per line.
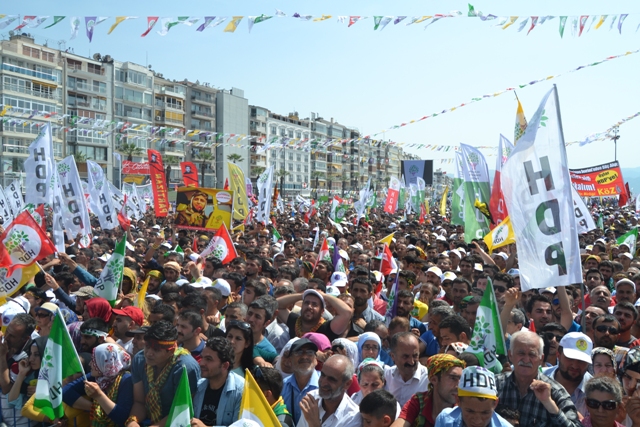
[203, 208]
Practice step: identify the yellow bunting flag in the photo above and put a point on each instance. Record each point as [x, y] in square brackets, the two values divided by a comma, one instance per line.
[512, 21]
[600, 21]
[4, 110]
[387, 239]
[500, 236]
[322, 18]
[119, 20]
[254, 405]
[521, 123]
[233, 25]
[443, 202]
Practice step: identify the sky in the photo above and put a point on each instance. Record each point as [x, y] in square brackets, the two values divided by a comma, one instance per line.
[373, 80]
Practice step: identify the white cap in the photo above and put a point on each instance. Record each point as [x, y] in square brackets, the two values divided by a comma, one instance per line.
[333, 291]
[223, 286]
[182, 282]
[202, 282]
[130, 246]
[552, 290]
[315, 294]
[626, 282]
[339, 279]
[441, 239]
[576, 345]
[449, 275]
[437, 272]
[478, 267]
[343, 254]
[105, 257]
[153, 296]
[501, 254]
[626, 254]
[357, 246]
[455, 252]
[156, 227]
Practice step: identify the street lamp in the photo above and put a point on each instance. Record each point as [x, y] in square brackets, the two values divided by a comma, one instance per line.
[615, 139]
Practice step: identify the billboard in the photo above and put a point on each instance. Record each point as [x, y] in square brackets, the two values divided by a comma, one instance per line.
[203, 208]
[598, 181]
[133, 172]
[414, 169]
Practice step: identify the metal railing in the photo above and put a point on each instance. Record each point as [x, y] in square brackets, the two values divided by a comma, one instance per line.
[89, 88]
[28, 72]
[40, 94]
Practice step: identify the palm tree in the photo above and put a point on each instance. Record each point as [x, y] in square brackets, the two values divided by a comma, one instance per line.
[130, 150]
[257, 170]
[204, 157]
[79, 157]
[317, 175]
[235, 158]
[281, 174]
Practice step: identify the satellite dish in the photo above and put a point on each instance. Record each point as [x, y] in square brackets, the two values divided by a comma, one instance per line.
[107, 58]
[97, 56]
[12, 33]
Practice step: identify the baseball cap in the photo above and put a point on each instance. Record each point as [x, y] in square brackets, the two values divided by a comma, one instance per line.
[514, 272]
[576, 345]
[133, 312]
[223, 286]
[315, 294]
[48, 306]
[626, 282]
[449, 275]
[626, 254]
[343, 254]
[550, 289]
[172, 265]
[501, 254]
[85, 291]
[339, 279]
[333, 291]
[156, 227]
[477, 381]
[105, 257]
[140, 331]
[437, 272]
[202, 282]
[455, 252]
[478, 267]
[302, 342]
[182, 282]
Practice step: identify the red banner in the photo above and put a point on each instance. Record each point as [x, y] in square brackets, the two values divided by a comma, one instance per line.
[598, 181]
[189, 174]
[133, 168]
[160, 196]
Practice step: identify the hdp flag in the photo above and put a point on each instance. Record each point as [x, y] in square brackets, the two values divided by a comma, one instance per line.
[59, 361]
[23, 243]
[254, 405]
[392, 305]
[487, 339]
[629, 238]
[109, 281]
[501, 235]
[387, 240]
[181, 411]
[221, 246]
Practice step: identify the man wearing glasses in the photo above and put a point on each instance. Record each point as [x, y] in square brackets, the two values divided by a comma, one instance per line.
[574, 358]
[606, 331]
[305, 377]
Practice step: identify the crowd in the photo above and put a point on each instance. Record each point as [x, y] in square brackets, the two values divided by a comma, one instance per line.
[317, 340]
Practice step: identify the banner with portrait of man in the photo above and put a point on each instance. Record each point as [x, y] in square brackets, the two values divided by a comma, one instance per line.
[203, 208]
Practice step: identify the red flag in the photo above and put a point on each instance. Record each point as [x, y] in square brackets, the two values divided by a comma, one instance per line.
[624, 195]
[311, 212]
[387, 264]
[194, 247]
[532, 326]
[159, 185]
[125, 222]
[151, 21]
[226, 184]
[423, 214]
[23, 243]
[221, 246]
[324, 254]
[189, 174]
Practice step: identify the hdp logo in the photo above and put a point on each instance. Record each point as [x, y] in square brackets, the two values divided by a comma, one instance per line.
[413, 170]
[473, 160]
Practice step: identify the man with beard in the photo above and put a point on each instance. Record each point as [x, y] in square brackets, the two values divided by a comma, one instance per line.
[189, 324]
[362, 291]
[404, 309]
[606, 268]
[330, 405]
[459, 289]
[93, 332]
[127, 319]
[626, 314]
[310, 317]
[574, 358]
[539, 310]
[304, 378]
[606, 330]
[601, 297]
[625, 291]
[469, 309]
[422, 409]
[540, 400]
[408, 376]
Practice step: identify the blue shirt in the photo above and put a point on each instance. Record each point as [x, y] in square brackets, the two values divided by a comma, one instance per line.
[266, 350]
[433, 347]
[452, 417]
[292, 395]
[415, 323]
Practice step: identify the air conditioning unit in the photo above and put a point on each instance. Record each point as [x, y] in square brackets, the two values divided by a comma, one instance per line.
[158, 117]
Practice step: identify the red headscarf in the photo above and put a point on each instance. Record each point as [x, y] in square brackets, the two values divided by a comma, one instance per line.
[99, 307]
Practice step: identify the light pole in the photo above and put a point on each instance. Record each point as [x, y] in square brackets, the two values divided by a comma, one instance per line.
[615, 139]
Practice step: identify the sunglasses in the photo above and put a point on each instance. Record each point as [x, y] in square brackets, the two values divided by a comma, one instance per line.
[500, 289]
[238, 324]
[551, 336]
[607, 405]
[42, 314]
[604, 328]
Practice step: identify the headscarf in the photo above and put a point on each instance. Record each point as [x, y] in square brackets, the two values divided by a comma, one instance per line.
[109, 359]
[285, 350]
[319, 340]
[458, 347]
[350, 348]
[127, 272]
[41, 343]
[99, 307]
[442, 362]
[369, 336]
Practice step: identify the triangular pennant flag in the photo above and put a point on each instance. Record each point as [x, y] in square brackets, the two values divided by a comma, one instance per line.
[205, 24]
[387, 240]
[534, 21]
[233, 25]
[221, 246]
[254, 405]
[119, 20]
[110, 279]
[181, 411]
[75, 26]
[151, 22]
[487, 339]
[563, 22]
[56, 19]
[583, 21]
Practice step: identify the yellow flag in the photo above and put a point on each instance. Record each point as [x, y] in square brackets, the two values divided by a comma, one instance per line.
[238, 228]
[142, 293]
[119, 20]
[600, 21]
[323, 18]
[521, 123]
[512, 20]
[387, 239]
[239, 188]
[443, 202]
[500, 236]
[233, 25]
[254, 405]
[4, 110]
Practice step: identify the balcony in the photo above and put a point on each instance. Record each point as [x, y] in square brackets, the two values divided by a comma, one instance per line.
[168, 120]
[28, 72]
[203, 113]
[39, 93]
[198, 98]
[89, 88]
[91, 105]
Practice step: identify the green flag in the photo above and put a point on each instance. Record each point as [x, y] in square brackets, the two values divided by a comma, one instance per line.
[487, 340]
[476, 187]
[109, 281]
[56, 19]
[629, 238]
[181, 411]
[59, 361]
[276, 236]
[600, 222]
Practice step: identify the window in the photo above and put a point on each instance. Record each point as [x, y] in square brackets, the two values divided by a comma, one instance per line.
[73, 64]
[290, 133]
[290, 167]
[48, 56]
[30, 51]
[299, 178]
[298, 157]
[99, 87]
[283, 132]
[298, 134]
[290, 156]
[94, 68]
[297, 168]
[119, 110]
[306, 168]
[273, 130]
[290, 178]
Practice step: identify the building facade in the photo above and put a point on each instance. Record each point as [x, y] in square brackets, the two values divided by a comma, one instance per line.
[232, 111]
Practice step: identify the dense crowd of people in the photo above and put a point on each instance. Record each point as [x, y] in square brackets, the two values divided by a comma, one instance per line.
[321, 343]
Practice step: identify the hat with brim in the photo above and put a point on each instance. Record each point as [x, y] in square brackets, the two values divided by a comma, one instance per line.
[316, 294]
[140, 331]
[303, 342]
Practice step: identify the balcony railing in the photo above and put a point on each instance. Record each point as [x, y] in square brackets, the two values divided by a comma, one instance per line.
[28, 72]
[40, 94]
[89, 88]
[202, 113]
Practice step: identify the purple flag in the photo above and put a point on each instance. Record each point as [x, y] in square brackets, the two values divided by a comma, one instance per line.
[398, 20]
[621, 20]
[207, 21]
[392, 305]
[90, 22]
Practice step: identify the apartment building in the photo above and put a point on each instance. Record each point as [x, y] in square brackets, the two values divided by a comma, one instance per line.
[201, 120]
[258, 117]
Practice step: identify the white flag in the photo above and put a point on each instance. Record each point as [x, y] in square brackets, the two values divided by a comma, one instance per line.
[13, 193]
[58, 222]
[142, 206]
[265, 188]
[39, 167]
[74, 208]
[5, 209]
[75, 26]
[117, 196]
[584, 220]
[537, 190]
[100, 197]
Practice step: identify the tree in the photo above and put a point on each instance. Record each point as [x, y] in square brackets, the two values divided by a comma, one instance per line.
[282, 173]
[258, 170]
[317, 175]
[130, 150]
[80, 157]
[204, 157]
[235, 158]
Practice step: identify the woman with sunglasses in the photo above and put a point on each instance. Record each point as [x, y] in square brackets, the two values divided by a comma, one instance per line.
[240, 336]
[603, 399]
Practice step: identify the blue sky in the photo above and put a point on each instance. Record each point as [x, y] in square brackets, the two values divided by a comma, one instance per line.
[374, 80]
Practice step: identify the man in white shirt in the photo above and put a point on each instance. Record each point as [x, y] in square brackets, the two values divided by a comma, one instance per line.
[329, 405]
[408, 376]
[127, 319]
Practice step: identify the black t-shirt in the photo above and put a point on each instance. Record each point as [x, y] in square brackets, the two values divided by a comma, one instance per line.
[324, 329]
[211, 331]
[208, 413]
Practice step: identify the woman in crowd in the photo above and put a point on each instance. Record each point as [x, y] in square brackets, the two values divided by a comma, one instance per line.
[241, 338]
[28, 369]
[604, 362]
[369, 346]
[283, 364]
[108, 392]
[370, 377]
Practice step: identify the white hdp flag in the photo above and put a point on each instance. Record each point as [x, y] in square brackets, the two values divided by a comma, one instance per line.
[5, 209]
[361, 204]
[100, 197]
[280, 204]
[75, 214]
[142, 206]
[59, 361]
[39, 168]
[584, 220]
[13, 193]
[265, 191]
[537, 190]
[58, 222]
[109, 281]
[117, 196]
